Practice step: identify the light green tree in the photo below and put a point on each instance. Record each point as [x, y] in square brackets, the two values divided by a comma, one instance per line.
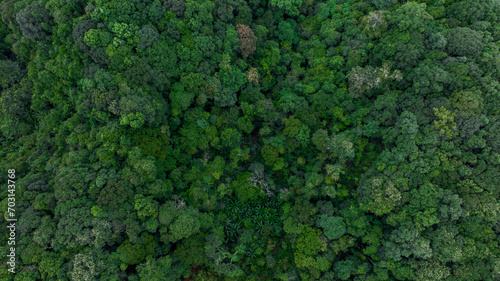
[446, 123]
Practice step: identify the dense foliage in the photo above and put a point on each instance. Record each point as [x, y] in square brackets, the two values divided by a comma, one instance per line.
[251, 140]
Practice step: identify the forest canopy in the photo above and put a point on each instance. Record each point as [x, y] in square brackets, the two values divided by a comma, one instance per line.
[250, 140]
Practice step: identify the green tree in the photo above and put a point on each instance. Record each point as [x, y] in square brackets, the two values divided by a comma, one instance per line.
[97, 38]
[230, 137]
[176, 6]
[382, 4]
[308, 245]
[291, 7]
[232, 79]
[33, 21]
[333, 226]
[471, 12]
[49, 264]
[379, 195]
[463, 41]
[185, 224]
[10, 73]
[447, 243]
[344, 269]
[148, 35]
[76, 223]
[406, 241]
[131, 253]
[446, 123]
[86, 266]
[155, 269]
[429, 78]
[374, 24]
[411, 16]
[286, 31]
[431, 270]
[145, 206]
